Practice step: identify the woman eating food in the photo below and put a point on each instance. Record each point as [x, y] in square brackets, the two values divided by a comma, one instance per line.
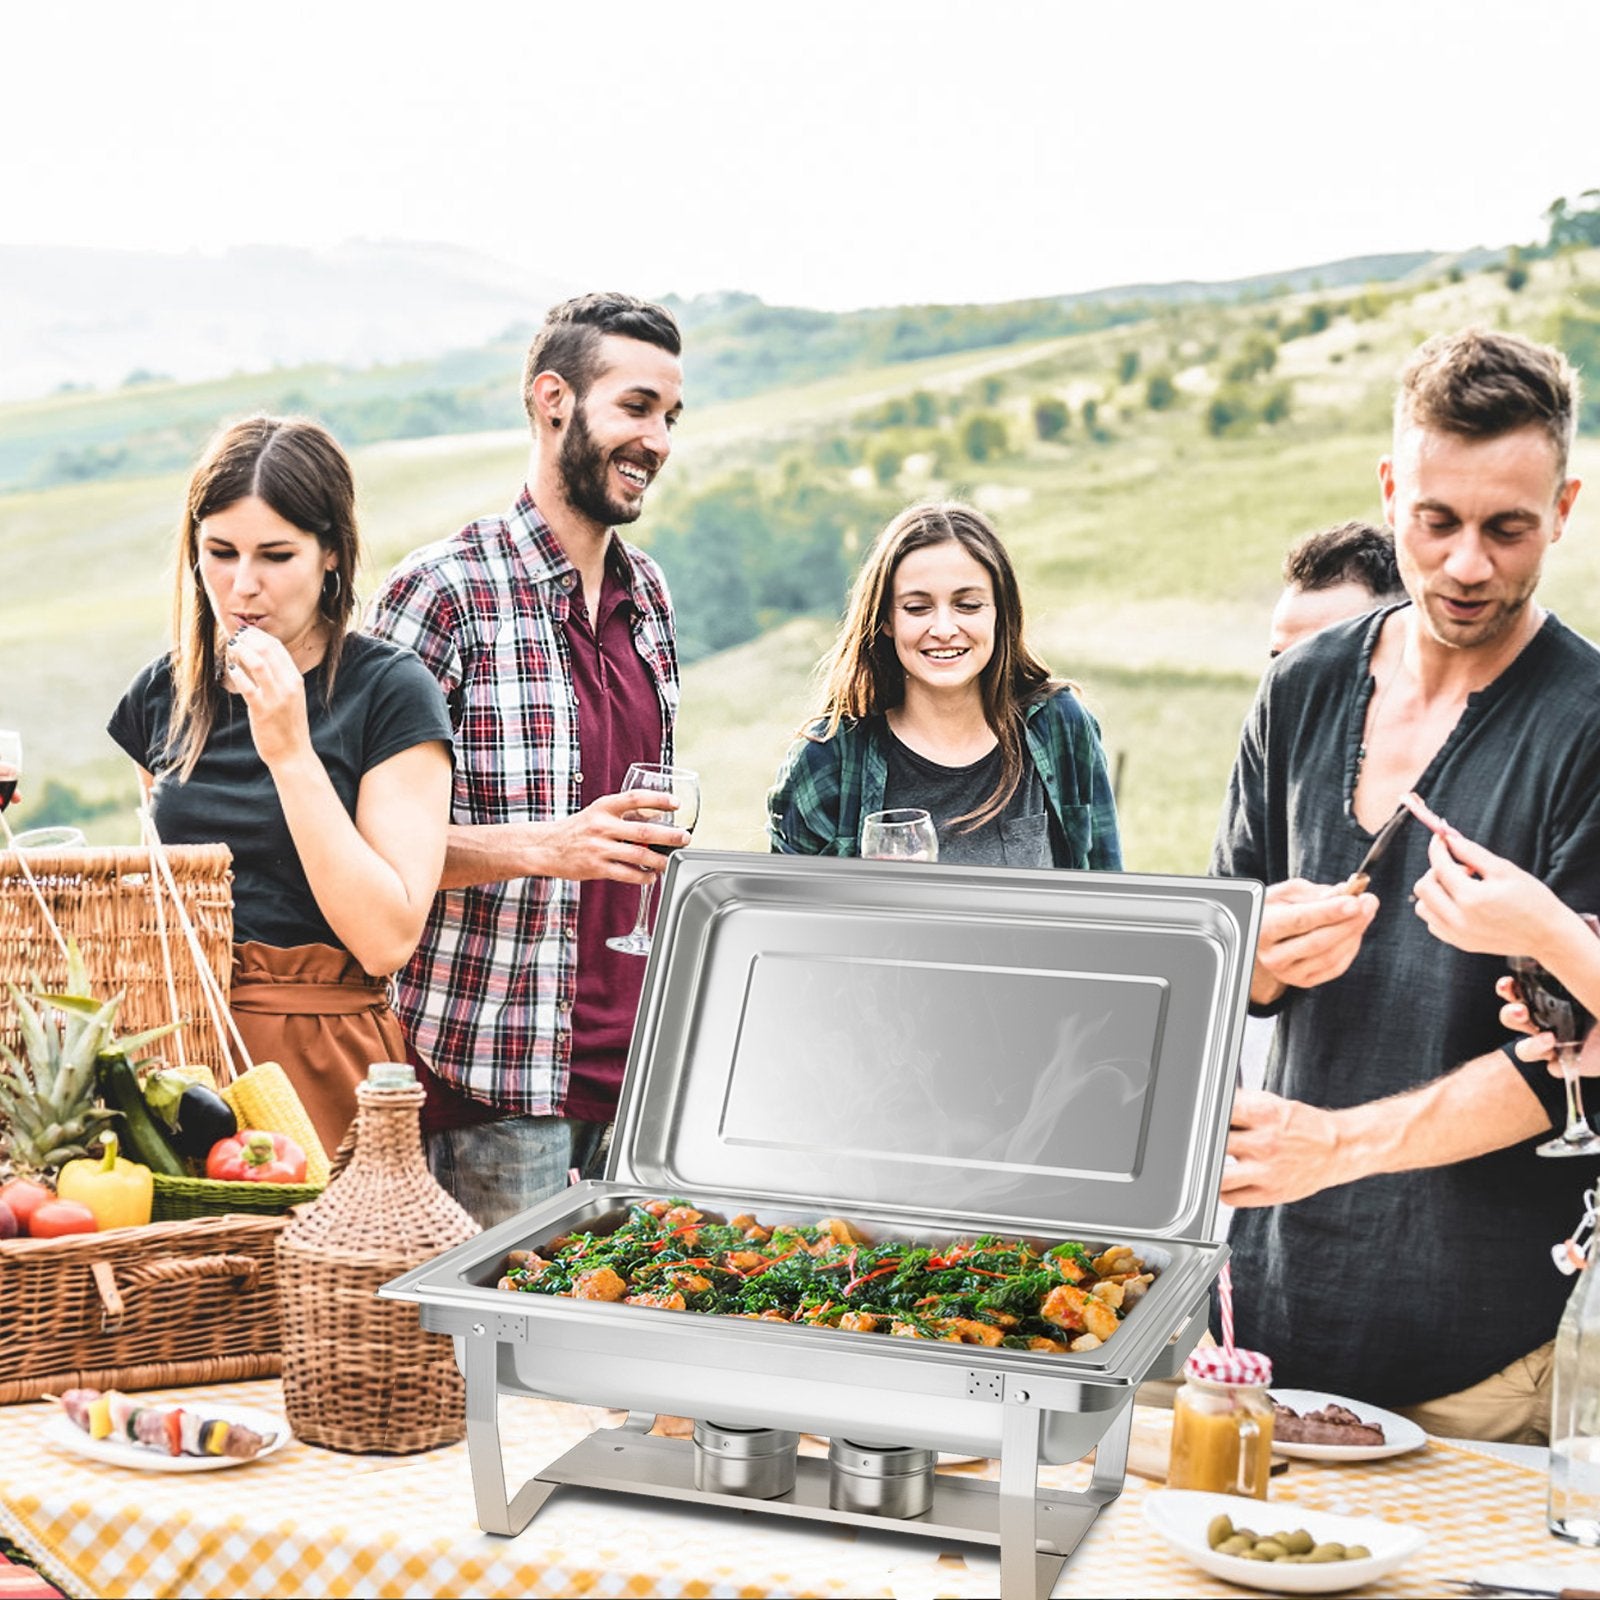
[319, 756]
[934, 702]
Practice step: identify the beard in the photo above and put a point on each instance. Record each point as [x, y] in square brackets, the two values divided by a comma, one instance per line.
[583, 466]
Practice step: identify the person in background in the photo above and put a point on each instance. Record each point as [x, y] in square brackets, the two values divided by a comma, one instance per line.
[934, 701]
[1394, 1157]
[554, 643]
[1330, 575]
[321, 758]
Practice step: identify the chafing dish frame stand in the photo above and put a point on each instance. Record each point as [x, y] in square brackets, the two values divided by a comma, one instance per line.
[1012, 1514]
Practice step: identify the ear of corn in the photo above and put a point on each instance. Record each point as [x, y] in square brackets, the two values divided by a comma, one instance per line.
[264, 1098]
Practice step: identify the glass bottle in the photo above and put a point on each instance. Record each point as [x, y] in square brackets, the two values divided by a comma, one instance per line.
[1222, 1424]
[1574, 1510]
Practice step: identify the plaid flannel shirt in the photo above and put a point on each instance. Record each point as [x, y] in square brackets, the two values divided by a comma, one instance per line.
[826, 786]
[487, 999]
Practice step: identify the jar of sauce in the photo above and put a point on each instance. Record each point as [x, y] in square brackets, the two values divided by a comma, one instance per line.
[1222, 1424]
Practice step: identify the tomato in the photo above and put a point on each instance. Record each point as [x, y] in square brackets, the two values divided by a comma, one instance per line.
[56, 1217]
[8, 1222]
[257, 1157]
[22, 1197]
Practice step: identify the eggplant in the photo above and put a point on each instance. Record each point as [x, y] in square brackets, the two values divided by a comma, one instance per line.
[203, 1118]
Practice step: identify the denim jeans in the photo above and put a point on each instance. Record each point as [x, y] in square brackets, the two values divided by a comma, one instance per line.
[497, 1169]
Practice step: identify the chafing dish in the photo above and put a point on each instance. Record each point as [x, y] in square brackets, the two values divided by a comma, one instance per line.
[931, 1052]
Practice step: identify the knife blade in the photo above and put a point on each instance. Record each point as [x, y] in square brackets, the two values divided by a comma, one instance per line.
[1358, 880]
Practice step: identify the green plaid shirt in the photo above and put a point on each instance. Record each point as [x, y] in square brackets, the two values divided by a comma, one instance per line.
[828, 785]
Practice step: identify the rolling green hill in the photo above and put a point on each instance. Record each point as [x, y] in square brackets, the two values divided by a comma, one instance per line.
[1149, 540]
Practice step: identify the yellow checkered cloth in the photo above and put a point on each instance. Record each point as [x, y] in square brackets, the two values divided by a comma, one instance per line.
[313, 1522]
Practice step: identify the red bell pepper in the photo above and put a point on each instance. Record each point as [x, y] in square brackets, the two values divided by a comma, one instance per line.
[257, 1157]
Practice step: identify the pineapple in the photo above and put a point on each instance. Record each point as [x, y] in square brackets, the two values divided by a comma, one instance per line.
[48, 1109]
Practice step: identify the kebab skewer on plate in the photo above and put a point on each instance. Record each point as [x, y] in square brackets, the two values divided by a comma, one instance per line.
[177, 1430]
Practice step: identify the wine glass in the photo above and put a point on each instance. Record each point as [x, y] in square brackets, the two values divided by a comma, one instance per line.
[1552, 1007]
[10, 764]
[904, 834]
[684, 787]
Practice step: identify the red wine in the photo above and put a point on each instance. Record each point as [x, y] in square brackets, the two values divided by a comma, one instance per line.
[8, 785]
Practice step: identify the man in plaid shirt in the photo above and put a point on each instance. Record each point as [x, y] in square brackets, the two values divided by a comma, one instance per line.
[553, 641]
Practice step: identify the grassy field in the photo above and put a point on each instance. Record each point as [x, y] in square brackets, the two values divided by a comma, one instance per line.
[1149, 556]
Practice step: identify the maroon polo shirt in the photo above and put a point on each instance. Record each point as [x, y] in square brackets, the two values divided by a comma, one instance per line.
[619, 722]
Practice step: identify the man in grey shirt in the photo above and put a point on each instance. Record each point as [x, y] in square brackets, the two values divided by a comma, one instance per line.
[1393, 1231]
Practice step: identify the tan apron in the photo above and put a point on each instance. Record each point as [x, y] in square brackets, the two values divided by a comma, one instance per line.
[314, 1011]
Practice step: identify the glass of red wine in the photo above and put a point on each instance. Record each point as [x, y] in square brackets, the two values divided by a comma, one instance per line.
[684, 787]
[10, 765]
[1552, 1007]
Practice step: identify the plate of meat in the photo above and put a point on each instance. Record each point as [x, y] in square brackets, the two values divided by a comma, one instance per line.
[120, 1431]
[1326, 1427]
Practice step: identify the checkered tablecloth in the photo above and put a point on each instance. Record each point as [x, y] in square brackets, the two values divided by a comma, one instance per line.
[311, 1522]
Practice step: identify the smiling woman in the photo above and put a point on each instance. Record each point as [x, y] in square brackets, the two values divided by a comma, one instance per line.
[321, 758]
[935, 701]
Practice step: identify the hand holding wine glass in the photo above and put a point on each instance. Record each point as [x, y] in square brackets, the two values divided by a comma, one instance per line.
[905, 834]
[10, 765]
[1553, 1008]
[10, 773]
[684, 787]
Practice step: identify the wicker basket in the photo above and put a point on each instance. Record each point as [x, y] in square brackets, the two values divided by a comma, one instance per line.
[359, 1373]
[140, 1308]
[104, 899]
[179, 1198]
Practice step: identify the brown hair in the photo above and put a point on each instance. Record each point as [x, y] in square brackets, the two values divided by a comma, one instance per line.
[1480, 384]
[1352, 552]
[297, 468]
[569, 342]
[862, 672]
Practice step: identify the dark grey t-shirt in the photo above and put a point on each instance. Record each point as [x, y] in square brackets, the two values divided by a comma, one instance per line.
[384, 701]
[1404, 1287]
[1018, 837]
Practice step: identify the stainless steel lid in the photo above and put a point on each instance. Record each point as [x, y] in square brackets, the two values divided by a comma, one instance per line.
[1033, 1050]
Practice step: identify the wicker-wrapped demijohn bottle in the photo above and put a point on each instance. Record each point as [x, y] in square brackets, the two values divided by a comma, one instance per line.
[359, 1373]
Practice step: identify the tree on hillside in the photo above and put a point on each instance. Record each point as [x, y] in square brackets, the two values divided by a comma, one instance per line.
[1160, 392]
[1127, 366]
[1050, 416]
[1574, 223]
[1091, 417]
[1516, 272]
[983, 436]
[886, 465]
[924, 409]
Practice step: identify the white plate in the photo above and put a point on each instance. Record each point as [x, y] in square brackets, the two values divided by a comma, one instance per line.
[1181, 1517]
[64, 1434]
[1399, 1433]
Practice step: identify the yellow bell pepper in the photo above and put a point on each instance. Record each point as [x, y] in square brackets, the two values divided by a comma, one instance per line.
[118, 1191]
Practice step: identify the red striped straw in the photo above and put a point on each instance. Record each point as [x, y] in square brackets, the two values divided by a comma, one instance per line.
[1225, 1304]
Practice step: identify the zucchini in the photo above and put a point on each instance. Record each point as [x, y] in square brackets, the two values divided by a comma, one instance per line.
[142, 1138]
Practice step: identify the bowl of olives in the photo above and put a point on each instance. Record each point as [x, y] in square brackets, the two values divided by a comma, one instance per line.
[1279, 1546]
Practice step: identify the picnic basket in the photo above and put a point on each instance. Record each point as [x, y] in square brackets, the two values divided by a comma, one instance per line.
[107, 900]
[190, 1297]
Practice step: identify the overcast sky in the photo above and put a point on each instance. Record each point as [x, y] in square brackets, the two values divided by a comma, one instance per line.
[839, 153]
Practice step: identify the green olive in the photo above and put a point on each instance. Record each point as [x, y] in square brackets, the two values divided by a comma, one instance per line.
[1300, 1543]
[1270, 1549]
[1236, 1546]
[1328, 1552]
[1357, 1552]
[1219, 1529]
[1246, 1533]
[1254, 1554]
